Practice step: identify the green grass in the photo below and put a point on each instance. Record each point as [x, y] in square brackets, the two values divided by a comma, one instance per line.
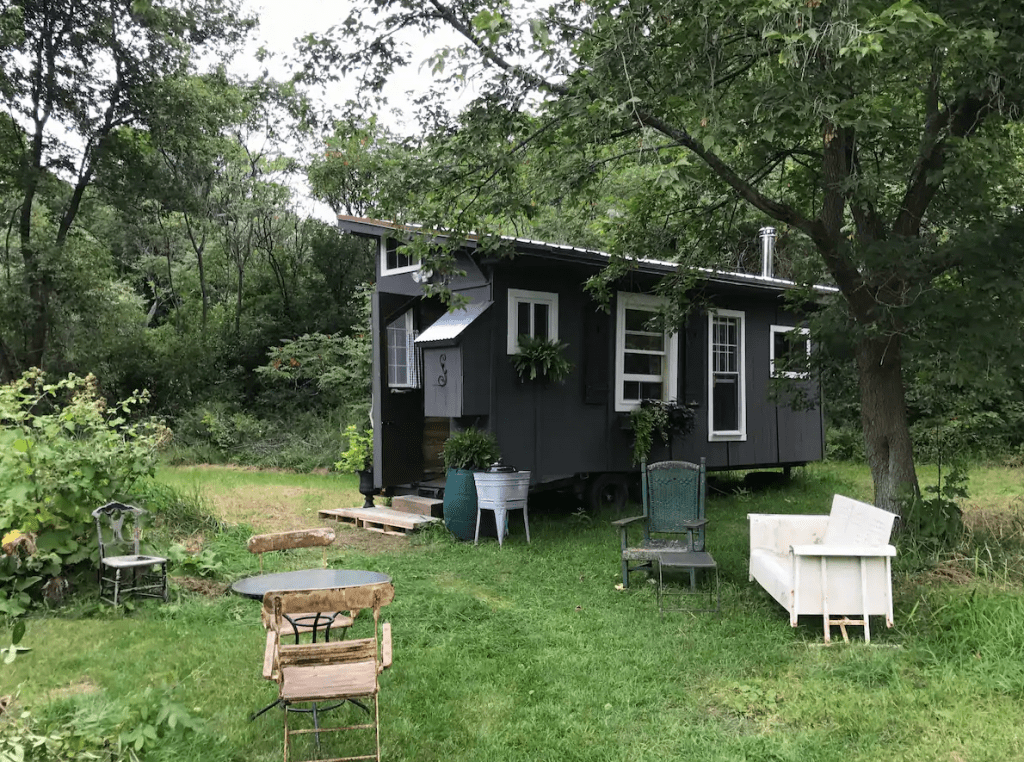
[530, 653]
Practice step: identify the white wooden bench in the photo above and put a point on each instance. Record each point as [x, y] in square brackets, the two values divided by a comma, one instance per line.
[836, 566]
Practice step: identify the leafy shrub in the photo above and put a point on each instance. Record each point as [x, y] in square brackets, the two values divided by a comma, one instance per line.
[63, 452]
[470, 449]
[359, 455]
[844, 442]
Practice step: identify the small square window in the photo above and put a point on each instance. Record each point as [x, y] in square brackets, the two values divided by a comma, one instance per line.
[395, 258]
[533, 314]
[790, 352]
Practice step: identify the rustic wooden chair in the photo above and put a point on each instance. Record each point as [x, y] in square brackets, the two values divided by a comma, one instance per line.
[346, 670]
[119, 553]
[673, 523]
[313, 622]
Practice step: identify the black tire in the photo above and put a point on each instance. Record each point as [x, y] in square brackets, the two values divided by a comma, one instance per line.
[608, 492]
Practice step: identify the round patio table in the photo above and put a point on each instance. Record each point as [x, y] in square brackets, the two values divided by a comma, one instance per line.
[307, 579]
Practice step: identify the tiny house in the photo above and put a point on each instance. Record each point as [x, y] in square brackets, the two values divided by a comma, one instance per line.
[436, 371]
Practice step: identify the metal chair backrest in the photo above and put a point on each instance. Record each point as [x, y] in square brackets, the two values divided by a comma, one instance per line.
[673, 493]
[111, 537]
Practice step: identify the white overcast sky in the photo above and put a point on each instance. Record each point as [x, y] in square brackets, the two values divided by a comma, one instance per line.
[282, 21]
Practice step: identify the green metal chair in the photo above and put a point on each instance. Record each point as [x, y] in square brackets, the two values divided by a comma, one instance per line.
[673, 524]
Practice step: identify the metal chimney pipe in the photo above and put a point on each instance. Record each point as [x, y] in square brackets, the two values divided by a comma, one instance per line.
[767, 236]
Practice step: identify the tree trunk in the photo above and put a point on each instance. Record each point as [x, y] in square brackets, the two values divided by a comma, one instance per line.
[883, 415]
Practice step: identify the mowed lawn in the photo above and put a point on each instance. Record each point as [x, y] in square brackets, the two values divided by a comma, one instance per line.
[529, 652]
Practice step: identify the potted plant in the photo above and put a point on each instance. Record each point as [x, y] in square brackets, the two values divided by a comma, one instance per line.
[665, 419]
[358, 459]
[541, 358]
[465, 452]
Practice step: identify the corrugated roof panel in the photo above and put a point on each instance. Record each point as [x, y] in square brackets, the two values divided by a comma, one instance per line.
[451, 324]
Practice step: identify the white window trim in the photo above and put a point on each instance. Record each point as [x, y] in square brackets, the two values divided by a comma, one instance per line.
[626, 300]
[517, 296]
[412, 356]
[771, 349]
[740, 434]
[384, 270]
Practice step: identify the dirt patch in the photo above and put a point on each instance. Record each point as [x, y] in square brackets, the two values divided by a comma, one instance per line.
[271, 508]
[81, 687]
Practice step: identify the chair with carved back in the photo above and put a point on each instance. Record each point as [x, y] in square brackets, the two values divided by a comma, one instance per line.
[119, 533]
[320, 537]
[326, 671]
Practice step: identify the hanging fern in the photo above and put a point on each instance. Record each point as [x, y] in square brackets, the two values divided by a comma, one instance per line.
[541, 358]
[662, 418]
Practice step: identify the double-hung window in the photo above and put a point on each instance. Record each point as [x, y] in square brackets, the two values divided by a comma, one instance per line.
[790, 350]
[727, 392]
[533, 314]
[395, 257]
[403, 355]
[646, 357]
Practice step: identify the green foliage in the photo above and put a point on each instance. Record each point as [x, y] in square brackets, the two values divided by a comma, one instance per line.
[470, 449]
[359, 455]
[63, 452]
[666, 419]
[202, 564]
[936, 523]
[10, 653]
[110, 733]
[541, 358]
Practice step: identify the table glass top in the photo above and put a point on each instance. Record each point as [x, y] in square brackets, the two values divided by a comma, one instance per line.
[307, 579]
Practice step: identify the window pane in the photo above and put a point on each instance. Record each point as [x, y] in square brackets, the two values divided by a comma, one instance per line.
[636, 320]
[725, 411]
[791, 351]
[631, 391]
[651, 343]
[540, 321]
[524, 319]
[642, 365]
[650, 390]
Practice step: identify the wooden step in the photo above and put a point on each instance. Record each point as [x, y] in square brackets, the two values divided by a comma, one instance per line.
[382, 520]
[414, 504]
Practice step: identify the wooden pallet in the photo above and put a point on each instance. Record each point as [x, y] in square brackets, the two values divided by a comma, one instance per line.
[383, 520]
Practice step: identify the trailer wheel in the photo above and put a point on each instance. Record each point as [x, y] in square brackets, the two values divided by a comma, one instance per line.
[608, 491]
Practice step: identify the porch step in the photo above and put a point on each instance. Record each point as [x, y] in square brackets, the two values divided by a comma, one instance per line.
[417, 505]
[384, 520]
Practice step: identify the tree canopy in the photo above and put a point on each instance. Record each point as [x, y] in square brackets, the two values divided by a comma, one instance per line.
[881, 137]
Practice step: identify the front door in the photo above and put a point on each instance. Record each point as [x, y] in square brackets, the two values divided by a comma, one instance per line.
[397, 392]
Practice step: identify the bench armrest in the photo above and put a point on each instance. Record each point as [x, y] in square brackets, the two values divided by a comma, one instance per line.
[843, 550]
[621, 523]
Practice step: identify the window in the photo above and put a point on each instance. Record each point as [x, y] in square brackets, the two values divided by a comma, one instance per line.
[645, 357]
[726, 376]
[531, 313]
[395, 258]
[404, 357]
[790, 350]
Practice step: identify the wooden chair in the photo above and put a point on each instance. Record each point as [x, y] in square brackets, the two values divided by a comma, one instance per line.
[120, 553]
[346, 670]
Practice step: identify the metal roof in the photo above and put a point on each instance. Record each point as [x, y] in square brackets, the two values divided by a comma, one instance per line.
[451, 324]
[566, 251]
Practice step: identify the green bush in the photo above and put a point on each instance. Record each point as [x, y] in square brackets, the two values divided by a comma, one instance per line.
[63, 452]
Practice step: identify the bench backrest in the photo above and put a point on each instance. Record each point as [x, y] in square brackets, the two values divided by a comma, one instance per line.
[852, 522]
